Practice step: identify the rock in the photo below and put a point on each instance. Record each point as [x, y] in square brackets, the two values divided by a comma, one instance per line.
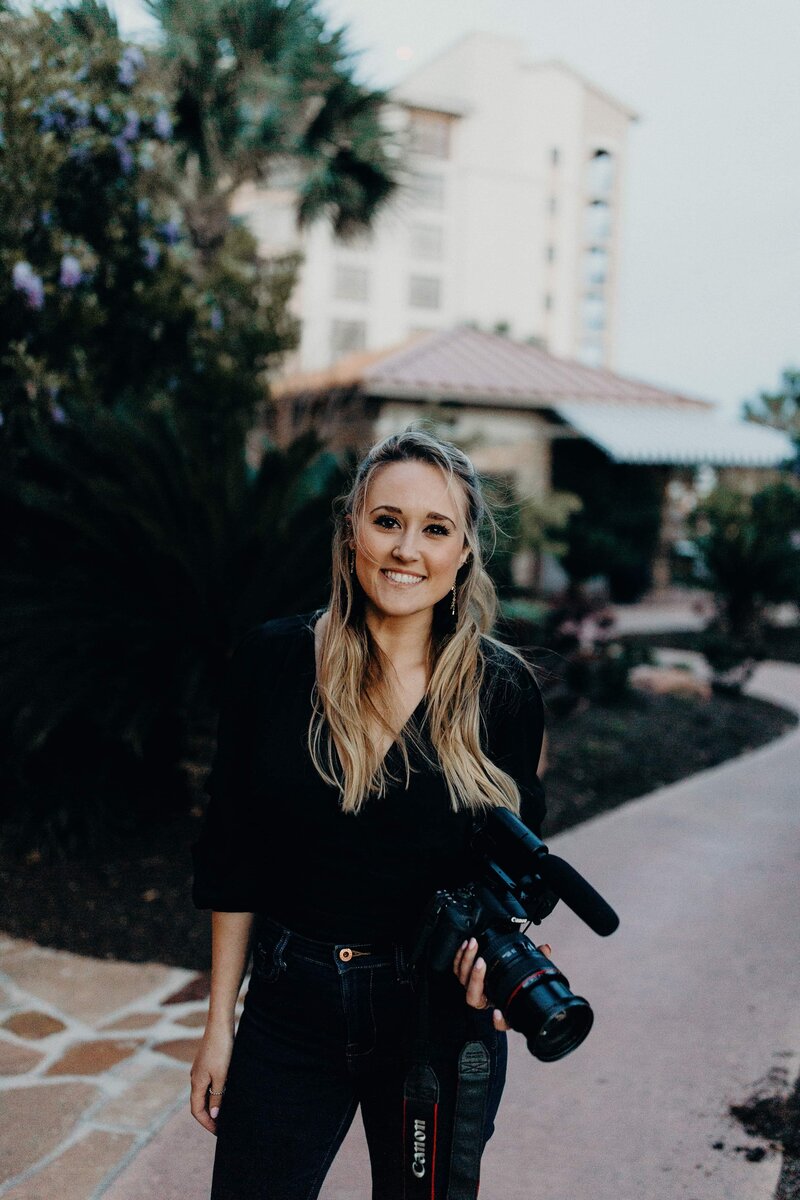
[669, 681]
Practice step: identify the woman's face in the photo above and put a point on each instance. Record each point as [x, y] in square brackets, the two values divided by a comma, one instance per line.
[410, 542]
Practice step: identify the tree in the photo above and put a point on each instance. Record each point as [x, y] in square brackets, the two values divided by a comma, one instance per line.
[615, 532]
[139, 324]
[749, 550]
[781, 409]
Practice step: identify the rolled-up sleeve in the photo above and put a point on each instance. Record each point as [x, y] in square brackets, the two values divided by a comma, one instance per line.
[223, 856]
[516, 731]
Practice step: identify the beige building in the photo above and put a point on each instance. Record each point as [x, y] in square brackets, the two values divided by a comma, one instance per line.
[509, 214]
[521, 413]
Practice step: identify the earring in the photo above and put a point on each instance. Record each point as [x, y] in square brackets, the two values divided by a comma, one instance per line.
[453, 601]
[352, 561]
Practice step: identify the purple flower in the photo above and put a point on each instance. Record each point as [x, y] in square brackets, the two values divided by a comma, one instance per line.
[58, 414]
[170, 232]
[129, 65]
[151, 251]
[162, 125]
[71, 273]
[217, 319]
[26, 280]
[130, 130]
[103, 113]
[79, 154]
[126, 159]
[143, 208]
[46, 217]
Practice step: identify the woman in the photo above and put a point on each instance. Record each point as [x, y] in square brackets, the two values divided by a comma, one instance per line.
[355, 747]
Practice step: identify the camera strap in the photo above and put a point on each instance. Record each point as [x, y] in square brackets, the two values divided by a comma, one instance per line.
[420, 1107]
[421, 1132]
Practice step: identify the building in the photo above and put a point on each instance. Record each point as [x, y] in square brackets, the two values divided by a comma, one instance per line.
[508, 215]
[526, 417]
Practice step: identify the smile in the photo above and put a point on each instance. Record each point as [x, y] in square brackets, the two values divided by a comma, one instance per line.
[401, 578]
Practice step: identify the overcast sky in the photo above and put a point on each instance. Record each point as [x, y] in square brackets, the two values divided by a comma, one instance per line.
[710, 270]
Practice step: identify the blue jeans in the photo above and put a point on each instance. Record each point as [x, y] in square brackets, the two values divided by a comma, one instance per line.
[322, 1031]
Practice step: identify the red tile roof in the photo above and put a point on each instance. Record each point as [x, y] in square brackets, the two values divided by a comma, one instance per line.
[467, 365]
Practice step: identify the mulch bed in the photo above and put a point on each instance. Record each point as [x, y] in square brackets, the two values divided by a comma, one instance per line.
[130, 898]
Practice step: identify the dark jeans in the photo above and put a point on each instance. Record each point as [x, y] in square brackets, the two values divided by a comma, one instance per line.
[320, 1033]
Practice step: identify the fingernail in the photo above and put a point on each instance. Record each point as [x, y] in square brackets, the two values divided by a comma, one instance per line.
[473, 943]
[480, 964]
[215, 1112]
[463, 945]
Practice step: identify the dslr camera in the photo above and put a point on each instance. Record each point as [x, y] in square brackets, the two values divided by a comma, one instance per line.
[517, 881]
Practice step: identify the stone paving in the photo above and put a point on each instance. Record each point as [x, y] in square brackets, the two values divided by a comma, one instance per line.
[94, 1056]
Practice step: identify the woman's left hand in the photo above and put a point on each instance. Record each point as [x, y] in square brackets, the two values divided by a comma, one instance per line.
[471, 971]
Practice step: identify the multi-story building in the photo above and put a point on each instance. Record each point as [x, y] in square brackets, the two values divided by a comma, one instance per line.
[508, 215]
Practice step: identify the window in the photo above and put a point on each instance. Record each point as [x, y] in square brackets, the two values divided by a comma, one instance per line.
[428, 190]
[594, 313]
[591, 353]
[596, 266]
[548, 302]
[427, 241]
[430, 133]
[347, 337]
[598, 221]
[552, 205]
[550, 253]
[600, 173]
[350, 283]
[555, 156]
[424, 291]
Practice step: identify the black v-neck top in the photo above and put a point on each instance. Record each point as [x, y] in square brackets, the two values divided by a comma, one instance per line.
[275, 840]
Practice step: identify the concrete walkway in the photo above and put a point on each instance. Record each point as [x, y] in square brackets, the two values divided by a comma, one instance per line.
[695, 1000]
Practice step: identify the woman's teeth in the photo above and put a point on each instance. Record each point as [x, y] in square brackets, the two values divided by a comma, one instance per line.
[398, 577]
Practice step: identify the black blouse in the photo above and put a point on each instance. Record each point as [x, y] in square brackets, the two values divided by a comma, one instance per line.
[275, 839]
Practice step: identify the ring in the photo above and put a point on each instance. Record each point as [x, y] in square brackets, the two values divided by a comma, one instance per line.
[222, 1093]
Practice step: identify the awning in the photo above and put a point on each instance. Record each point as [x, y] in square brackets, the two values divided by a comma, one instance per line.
[676, 437]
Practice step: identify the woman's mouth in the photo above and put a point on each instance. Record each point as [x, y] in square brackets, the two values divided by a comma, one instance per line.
[401, 578]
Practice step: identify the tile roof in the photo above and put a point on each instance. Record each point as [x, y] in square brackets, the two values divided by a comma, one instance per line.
[482, 368]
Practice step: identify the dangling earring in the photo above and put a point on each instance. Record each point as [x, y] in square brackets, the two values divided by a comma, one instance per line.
[352, 561]
[453, 601]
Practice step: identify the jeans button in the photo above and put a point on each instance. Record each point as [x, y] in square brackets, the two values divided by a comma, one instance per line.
[346, 954]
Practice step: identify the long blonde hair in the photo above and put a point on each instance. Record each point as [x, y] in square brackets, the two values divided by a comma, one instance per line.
[352, 677]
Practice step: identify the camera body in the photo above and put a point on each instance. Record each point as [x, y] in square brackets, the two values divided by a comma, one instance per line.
[517, 882]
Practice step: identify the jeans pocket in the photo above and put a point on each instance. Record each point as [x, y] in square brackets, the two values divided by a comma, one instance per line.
[268, 959]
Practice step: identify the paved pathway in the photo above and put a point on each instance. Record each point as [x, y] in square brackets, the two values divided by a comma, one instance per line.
[695, 999]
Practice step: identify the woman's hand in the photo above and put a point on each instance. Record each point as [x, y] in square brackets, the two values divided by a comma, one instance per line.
[208, 1073]
[472, 971]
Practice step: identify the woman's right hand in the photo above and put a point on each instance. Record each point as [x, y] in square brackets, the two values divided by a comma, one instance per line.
[209, 1072]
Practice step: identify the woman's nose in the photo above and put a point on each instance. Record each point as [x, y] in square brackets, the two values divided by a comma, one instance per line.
[406, 545]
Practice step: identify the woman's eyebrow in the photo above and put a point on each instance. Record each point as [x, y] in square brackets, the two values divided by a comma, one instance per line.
[392, 508]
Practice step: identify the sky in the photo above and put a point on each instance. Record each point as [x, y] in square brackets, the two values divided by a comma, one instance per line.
[709, 286]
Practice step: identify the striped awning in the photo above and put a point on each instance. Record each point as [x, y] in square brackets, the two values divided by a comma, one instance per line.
[676, 437]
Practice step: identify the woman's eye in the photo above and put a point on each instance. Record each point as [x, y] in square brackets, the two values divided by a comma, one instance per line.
[439, 530]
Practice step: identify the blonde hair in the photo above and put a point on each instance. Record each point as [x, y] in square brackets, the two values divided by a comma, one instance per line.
[352, 678]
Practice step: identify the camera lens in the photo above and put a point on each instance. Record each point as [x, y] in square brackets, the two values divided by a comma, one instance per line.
[534, 996]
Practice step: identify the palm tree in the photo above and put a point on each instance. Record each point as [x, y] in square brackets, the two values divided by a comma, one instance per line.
[264, 89]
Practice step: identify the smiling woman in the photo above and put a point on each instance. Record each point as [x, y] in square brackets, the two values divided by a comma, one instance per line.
[358, 748]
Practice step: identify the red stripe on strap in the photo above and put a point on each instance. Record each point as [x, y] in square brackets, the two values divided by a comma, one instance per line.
[433, 1156]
